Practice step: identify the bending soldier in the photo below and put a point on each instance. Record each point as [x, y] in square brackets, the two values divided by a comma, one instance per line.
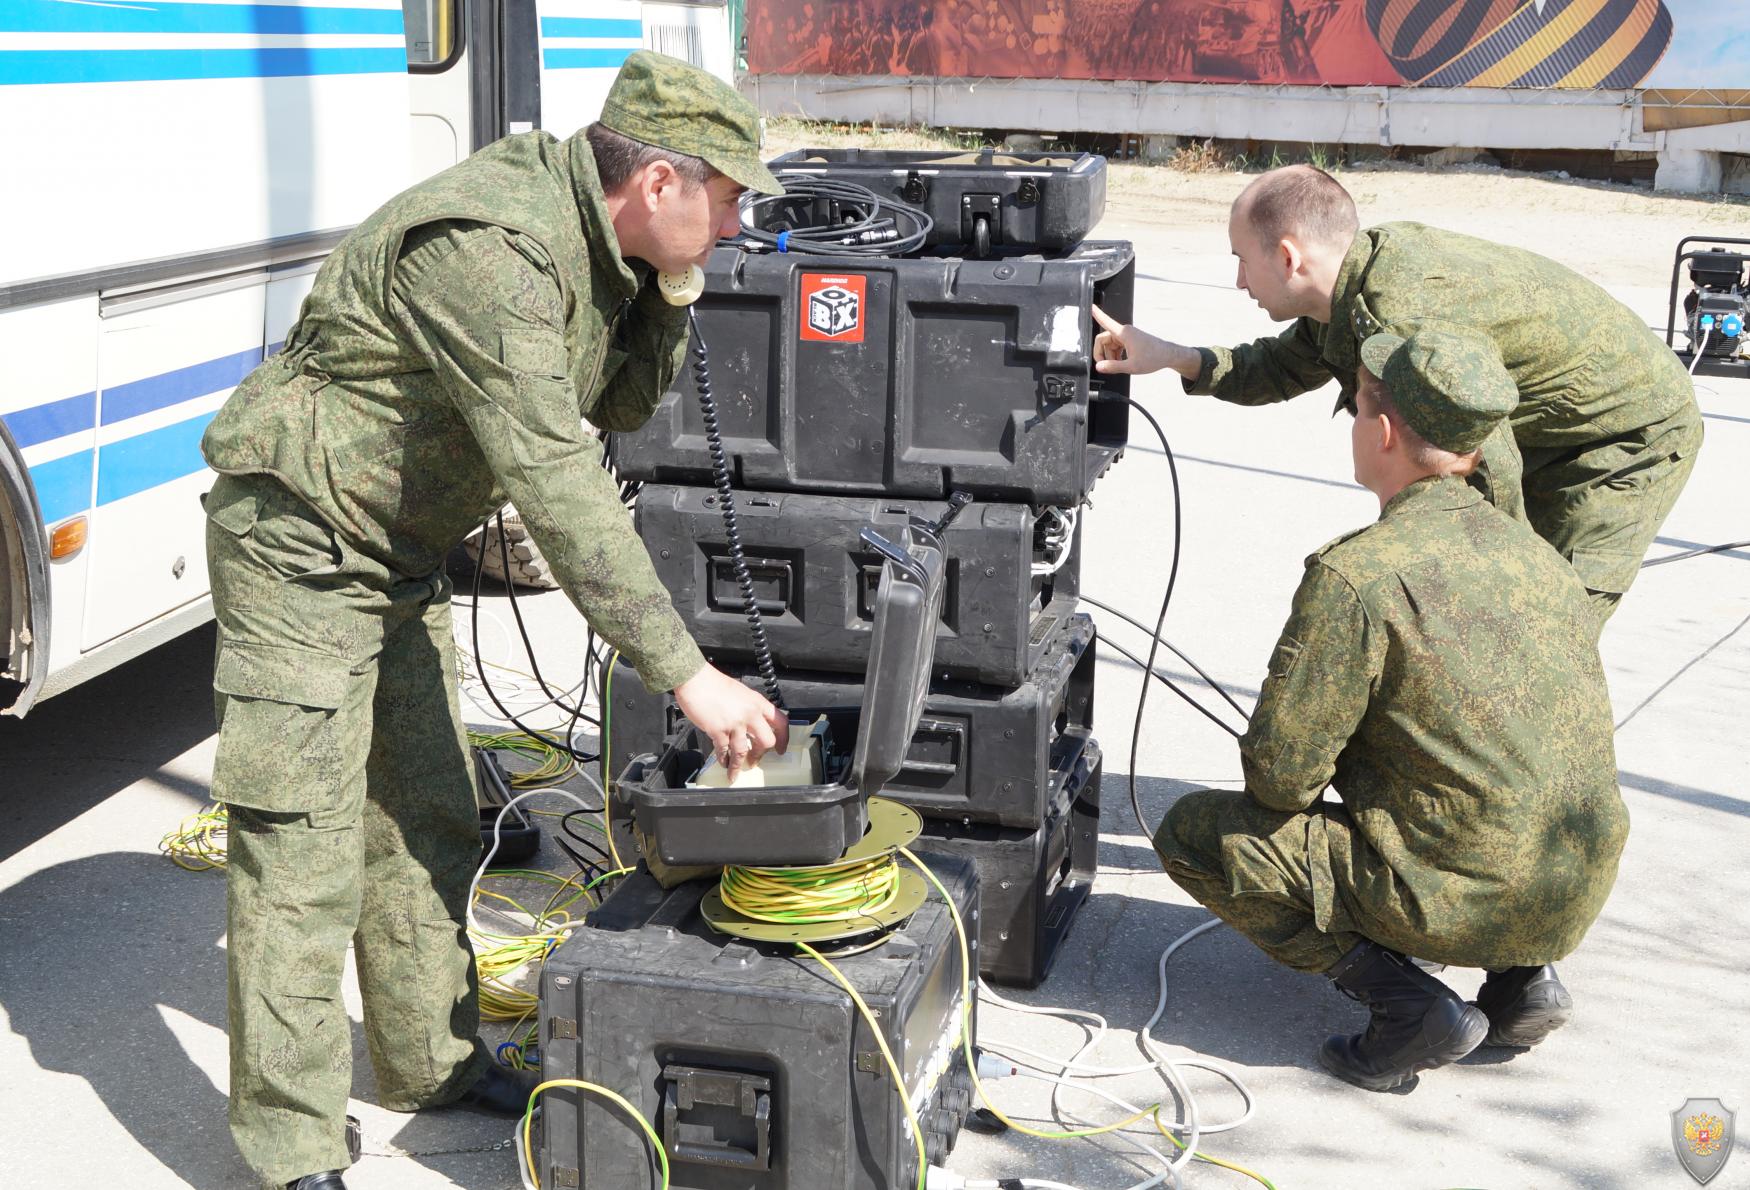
[1438, 672]
[443, 363]
[1605, 430]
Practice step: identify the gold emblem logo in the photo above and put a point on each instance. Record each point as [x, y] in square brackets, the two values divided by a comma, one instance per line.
[1702, 1134]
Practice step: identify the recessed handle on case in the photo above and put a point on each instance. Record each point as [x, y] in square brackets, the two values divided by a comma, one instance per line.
[717, 1098]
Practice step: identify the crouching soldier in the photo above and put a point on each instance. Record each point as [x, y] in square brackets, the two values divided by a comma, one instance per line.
[1438, 671]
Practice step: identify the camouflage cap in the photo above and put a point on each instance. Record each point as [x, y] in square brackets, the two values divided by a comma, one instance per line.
[667, 103]
[1449, 385]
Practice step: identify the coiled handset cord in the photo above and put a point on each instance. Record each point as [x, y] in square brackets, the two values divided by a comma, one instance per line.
[756, 625]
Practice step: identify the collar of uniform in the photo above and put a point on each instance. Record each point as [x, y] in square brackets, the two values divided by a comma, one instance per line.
[1342, 346]
[1350, 276]
[598, 225]
[1433, 493]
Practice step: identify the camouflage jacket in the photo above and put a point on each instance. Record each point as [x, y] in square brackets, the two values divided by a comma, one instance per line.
[444, 362]
[1586, 366]
[1438, 671]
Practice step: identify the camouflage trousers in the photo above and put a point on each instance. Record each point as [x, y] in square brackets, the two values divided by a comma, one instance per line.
[1307, 887]
[1601, 505]
[344, 764]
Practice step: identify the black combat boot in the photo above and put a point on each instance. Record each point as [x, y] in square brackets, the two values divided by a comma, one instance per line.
[329, 1180]
[1418, 1022]
[1524, 1005]
[500, 1090]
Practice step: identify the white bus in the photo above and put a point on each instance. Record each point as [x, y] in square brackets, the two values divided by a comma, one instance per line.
[173, 174]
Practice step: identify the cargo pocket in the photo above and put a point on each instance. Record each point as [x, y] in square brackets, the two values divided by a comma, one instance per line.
[302, 1047]
[233, 505]
[285, 742]
[1601, 569]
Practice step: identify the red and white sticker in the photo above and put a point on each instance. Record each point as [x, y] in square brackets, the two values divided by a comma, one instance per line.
[832, 307]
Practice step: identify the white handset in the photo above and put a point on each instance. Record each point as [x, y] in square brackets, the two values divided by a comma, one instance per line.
[681, 289]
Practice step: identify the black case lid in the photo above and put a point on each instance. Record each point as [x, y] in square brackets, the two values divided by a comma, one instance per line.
[902, 647]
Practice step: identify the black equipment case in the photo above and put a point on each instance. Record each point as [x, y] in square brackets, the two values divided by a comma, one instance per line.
[751, 1061]
[816, 579]
[1031, 883]
[900, 377]
[811, 824]
[979, 753]
[1036, 202]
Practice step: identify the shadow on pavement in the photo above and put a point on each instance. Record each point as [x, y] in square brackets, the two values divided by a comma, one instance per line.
[80, 748]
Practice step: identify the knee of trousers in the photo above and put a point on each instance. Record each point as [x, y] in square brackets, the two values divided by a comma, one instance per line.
[1190, 835]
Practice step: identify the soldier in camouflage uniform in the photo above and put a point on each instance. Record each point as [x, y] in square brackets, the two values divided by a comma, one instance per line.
[1606, 428]
[443, 363]
[1437, 671]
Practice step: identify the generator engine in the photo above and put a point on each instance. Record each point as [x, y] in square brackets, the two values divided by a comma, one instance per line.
[1715, 309]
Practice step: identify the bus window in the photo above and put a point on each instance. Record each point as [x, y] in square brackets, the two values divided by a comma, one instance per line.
[432, 27]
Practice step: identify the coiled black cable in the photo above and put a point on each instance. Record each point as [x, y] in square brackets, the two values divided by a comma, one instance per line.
[756, 625]
[868, 224]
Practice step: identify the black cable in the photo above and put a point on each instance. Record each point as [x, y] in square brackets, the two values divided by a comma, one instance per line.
[590, 872]
[1170, 685]
[1695, 553]
[1166, 599]
[556, 698]
[1177, 652]
[756, 625]
[872, 227]
[486, 683]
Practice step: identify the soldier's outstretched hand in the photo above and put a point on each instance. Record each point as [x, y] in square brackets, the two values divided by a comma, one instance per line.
[742, 724]
[1121, 347]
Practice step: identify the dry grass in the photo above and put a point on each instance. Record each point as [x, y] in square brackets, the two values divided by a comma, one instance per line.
[1202, 157]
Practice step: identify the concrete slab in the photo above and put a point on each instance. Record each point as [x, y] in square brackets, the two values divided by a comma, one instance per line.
[112, 1046]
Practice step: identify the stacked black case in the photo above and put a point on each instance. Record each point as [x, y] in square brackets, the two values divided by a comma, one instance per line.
[863, 391]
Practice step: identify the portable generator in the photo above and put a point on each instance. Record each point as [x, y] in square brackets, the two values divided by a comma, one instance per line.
[1715, 309]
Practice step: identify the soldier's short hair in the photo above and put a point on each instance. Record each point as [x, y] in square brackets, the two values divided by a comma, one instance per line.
[1422, 452]
[1300, 202]
[619, 157]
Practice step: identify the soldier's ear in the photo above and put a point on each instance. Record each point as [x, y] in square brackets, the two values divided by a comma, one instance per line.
[654, 179]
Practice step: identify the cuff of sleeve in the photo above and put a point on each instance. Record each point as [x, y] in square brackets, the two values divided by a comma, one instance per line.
[662, 669]
[1206, 378]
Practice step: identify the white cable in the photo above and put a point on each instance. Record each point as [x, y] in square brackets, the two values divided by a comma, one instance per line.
[1166, 1066]
[1696, 358]
[522, 1157]
[497, 823]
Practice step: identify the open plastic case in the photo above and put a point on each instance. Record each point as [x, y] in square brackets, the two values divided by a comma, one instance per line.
[861, 748]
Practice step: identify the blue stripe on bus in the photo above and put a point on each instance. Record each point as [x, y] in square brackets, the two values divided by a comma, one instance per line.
[171, 388]
[582, 59]
[147, 460]
[53, 16]
[63, 485]
[591, 27]
[25, 67]
[55, 419]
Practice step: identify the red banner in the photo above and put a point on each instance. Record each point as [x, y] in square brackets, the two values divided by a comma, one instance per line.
[1447, 43]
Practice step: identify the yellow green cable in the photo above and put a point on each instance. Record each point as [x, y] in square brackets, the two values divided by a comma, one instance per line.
[613, 1097]
[198, 844]
[812, 895]
[917, 1131]
[607, 761]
